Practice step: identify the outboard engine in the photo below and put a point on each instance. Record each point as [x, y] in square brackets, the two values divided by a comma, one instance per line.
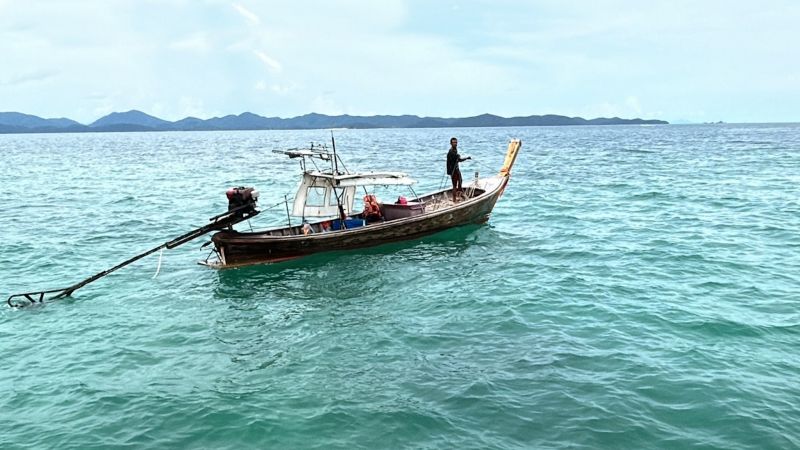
[242, 199]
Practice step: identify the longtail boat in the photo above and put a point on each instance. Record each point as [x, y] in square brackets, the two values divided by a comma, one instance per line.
[328, 197]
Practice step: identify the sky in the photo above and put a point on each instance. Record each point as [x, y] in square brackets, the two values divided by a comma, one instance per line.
[677, 60]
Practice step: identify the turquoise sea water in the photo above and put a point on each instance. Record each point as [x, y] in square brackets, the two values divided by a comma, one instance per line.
[636, 287]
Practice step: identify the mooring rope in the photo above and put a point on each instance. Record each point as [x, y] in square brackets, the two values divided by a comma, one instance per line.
[158, 269]
[276, 204]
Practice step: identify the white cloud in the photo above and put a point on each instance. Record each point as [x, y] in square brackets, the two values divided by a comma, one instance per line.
[633, 106]
[278, 89]
[282, 89]
[247, 14]
[270, 62]
[324, 104]
[25, 77]
[192, 107]
[197, 42]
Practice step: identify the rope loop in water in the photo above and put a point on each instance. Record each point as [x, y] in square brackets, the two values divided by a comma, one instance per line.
[158, 269]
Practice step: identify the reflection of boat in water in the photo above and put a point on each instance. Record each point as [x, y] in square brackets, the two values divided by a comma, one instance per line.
[329, 196]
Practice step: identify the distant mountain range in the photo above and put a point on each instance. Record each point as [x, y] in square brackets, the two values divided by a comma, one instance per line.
[14, 122]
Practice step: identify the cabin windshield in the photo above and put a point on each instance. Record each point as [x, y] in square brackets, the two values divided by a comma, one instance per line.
[315, 196]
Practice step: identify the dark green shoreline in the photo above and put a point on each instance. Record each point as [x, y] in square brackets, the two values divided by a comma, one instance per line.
[13, 122]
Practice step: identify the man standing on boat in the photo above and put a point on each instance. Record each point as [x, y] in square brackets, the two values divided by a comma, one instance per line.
[453, 158]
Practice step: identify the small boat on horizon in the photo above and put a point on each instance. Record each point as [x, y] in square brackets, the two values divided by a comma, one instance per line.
[328, 198]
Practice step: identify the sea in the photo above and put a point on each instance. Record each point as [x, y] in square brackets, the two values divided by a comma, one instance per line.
[636, 287]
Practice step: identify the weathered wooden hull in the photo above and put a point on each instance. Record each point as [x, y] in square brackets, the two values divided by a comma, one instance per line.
[238, 249]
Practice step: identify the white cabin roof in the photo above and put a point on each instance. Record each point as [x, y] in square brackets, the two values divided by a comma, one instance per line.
[365, 179]
[318, 191]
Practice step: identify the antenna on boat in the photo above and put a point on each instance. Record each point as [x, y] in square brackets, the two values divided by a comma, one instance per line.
[288, 216]
[335, 158]
[342, 215]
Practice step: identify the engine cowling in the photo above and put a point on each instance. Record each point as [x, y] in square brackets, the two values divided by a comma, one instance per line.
[241, 197]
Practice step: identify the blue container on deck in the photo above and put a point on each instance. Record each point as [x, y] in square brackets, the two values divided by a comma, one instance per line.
[349, 224]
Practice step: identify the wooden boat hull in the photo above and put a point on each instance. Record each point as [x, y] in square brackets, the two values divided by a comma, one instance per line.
[238, 249]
